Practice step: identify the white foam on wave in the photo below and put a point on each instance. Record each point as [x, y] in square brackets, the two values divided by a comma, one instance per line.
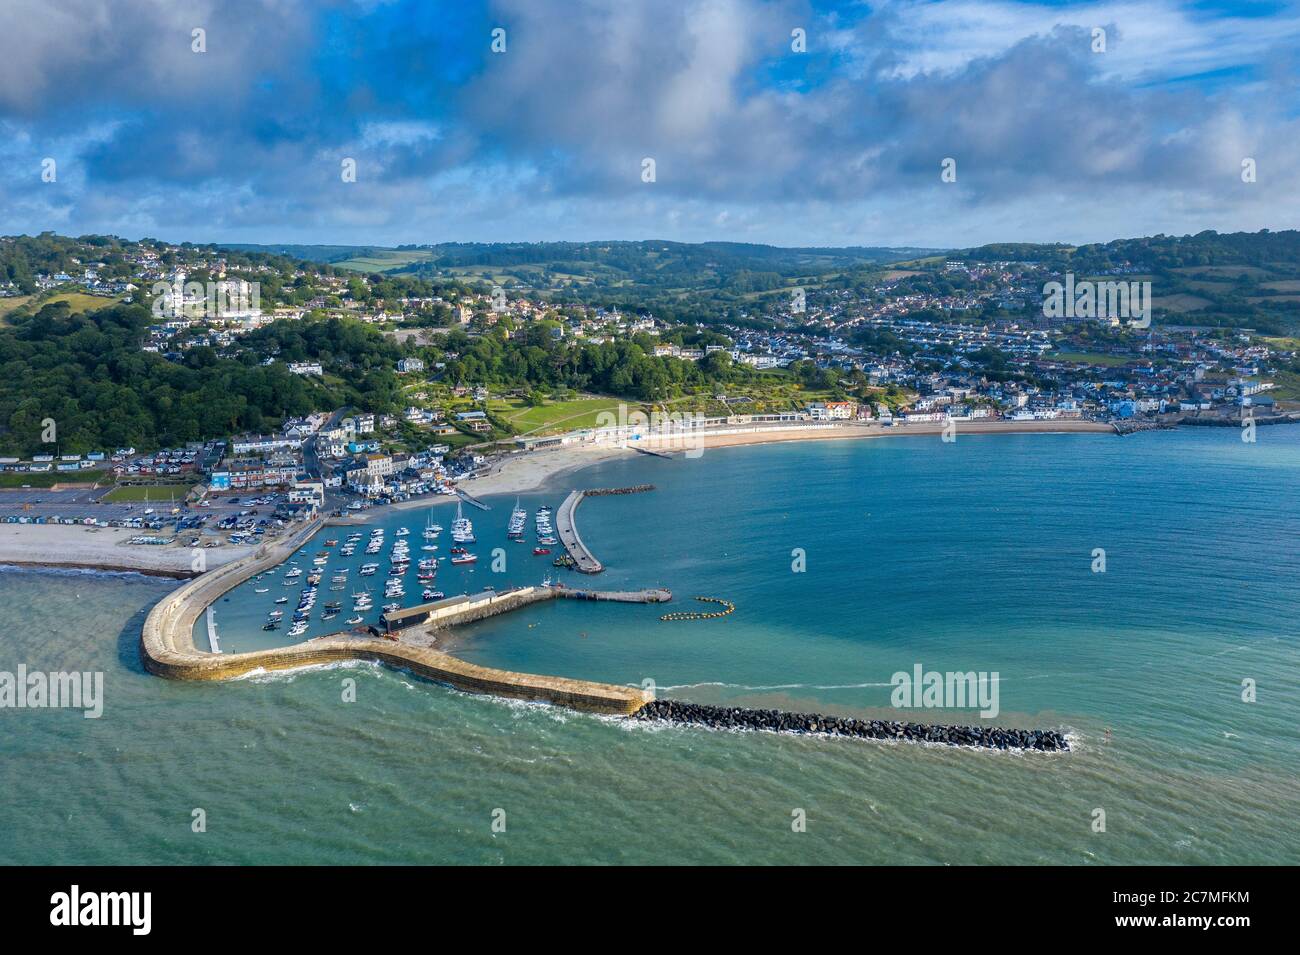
[263, 675]
[76, 571]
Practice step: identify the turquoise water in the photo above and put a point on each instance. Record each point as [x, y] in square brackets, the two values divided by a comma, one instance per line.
[972, 556]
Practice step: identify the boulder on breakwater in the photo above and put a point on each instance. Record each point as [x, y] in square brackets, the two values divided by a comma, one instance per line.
[738, 718]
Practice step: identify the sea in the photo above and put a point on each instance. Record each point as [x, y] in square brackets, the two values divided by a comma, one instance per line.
[1141, 594]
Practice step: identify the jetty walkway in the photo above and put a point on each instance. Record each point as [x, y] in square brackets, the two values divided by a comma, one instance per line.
[469, 498]
[470, 608]
[583, 559]
[653, 596]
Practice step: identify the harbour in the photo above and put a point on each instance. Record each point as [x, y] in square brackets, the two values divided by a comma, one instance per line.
[1019, 612]
[411, 634]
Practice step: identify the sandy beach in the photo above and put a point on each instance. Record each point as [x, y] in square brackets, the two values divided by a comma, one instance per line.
[61, 545]
[104, 548]
[521, 472]
[931, 428]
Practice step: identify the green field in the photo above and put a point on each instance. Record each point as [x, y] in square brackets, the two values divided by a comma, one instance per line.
[1286, 344]
[556, 415]
[1181, 302]
[77, 302]
[80, 301]
[382, 261]
[49, 478]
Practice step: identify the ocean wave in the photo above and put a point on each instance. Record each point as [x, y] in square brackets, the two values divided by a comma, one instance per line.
[263, 675]
[73, 571]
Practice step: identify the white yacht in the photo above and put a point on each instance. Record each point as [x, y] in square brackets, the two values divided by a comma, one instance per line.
[462, 529]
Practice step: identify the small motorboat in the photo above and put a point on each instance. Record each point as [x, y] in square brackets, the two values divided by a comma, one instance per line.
[282, 600]
[353, 621]
[261, 590]
[539, 551]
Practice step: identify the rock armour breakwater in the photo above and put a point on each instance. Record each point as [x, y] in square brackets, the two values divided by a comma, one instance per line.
[606, 491]
[737, 718]
[1237, 422]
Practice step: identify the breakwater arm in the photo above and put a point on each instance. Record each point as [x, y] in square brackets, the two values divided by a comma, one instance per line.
[566, 524]
[583, 559]
[737, 718]
[167, 647]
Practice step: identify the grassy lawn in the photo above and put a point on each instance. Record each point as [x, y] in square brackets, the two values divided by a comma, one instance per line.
[1288, 386]
[49, 478]
[1285, 344]
[81, 302]
[557, 415]
[459, 440]
[148, 492]
[7, 305]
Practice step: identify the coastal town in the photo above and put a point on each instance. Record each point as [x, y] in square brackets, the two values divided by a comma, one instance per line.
[944, 345]
[551, 434]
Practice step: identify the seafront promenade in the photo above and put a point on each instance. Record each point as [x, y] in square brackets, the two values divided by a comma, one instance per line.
[167, 647]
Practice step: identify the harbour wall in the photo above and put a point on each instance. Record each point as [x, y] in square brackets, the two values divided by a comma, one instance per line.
[487, 605]
[167, 647]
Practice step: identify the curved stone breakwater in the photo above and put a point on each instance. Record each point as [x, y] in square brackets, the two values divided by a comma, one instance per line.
[167, 647]
[606, 491]
[737, 718]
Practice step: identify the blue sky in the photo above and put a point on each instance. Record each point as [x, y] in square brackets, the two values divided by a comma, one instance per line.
[841, 144]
